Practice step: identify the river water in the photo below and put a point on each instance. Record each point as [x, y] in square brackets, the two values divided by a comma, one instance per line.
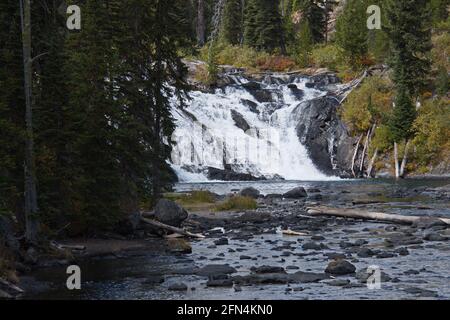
[134, 277]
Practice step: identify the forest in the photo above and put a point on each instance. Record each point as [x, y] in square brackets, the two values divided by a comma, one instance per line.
[85, 121]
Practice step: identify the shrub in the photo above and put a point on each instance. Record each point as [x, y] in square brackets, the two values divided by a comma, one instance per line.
[432, 127]
[237, 203]
[275, 63]
[327, 56]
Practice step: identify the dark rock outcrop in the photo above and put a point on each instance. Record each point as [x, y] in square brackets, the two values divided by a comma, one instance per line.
[325, 136]
[255, 89]
[239, 120]
[230, 175]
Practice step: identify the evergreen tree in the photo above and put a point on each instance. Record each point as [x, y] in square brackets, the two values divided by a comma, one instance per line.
[304, 43]
[439, 10]
[315, 12]
[442, 82]
[12, 108]
[263, 25]
[92, 115]
[231, 29]
[410, 41]
[351, 30]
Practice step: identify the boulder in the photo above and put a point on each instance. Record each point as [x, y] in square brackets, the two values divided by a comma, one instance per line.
[170, 213]
[340, 267]
[434, 236]
[296, 193]
[178, 287]
[252, 106]
[239, 120]
[221, 242]
[250, 192]
[428, 223]
[214, 270]
[362, 276]
[179, 246]
[268, 269]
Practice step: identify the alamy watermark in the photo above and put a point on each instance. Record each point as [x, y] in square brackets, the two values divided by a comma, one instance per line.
[74, 280]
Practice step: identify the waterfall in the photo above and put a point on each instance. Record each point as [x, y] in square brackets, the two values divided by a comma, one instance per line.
[246, 126]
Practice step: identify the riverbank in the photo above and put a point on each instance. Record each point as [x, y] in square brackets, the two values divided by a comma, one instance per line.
[244, 255]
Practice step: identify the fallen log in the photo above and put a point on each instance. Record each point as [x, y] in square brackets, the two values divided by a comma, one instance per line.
[11, 285]
[67, 246]
[290, 232]
[172, 228]
[367, 215]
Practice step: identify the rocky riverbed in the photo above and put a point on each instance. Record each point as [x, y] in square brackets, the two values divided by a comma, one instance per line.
[246, 256]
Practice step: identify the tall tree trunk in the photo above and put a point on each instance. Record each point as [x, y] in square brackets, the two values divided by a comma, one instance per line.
[397, 169]
[31, 205]
[201, 24]
[355, 154]
[405, 159]
[371, 163]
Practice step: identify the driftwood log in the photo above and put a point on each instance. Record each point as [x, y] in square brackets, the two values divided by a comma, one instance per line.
[160, 225]
[367, 215]
[11, 286]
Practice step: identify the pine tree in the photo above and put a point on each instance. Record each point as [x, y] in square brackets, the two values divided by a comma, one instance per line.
[351, 30]
[12, 108]
[92, 116]
[315, 12]
[231, 29]
[409, 33]
[442, 82]
[439, 10]
[251, 23]
[263, 25]
[304, 43]
[410, 40]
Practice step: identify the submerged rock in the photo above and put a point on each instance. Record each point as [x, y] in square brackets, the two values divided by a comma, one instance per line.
[268, 269]
[178, 287]
[340, 267]
[215, 269]
[434, 236]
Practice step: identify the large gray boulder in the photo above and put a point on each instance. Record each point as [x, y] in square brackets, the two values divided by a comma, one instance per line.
[250, 192]
[170, 213]
[324, 135]
[340, 267]
[296, 193]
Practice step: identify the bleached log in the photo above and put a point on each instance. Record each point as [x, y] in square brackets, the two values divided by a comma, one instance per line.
[366, 215]
[290, 232]
[171, 228]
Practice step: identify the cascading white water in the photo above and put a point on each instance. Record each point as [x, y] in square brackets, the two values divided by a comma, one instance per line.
[207, 135]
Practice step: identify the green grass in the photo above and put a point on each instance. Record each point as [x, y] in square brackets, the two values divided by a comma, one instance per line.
[237, 203]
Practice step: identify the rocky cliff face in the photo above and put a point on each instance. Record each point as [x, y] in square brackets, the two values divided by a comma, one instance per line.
[325, 136]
